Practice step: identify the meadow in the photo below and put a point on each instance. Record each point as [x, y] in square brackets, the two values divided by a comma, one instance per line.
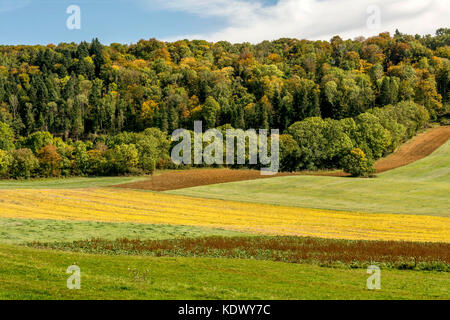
[41, 274]
[421, 188]
[21, 231]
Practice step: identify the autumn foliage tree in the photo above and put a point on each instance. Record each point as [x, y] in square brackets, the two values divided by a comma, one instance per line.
[357, 164]
[49, 161]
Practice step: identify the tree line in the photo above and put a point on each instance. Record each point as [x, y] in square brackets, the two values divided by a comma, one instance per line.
[311, 144]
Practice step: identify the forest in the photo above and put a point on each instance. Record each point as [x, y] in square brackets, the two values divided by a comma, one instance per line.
[91, 109]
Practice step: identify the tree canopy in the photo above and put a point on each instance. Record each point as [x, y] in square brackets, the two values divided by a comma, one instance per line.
[109, 109]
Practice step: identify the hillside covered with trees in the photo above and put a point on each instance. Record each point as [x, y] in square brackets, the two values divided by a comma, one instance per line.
[90, 109]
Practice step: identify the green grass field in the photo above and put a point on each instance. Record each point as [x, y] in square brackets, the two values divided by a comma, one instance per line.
[18, 231]
[420, 188]
[39, 274]
[67, 183]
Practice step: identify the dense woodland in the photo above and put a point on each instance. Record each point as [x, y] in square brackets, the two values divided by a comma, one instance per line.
[90, 109]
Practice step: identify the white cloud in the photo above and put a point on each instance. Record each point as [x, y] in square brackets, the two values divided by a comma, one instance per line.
[250, 20]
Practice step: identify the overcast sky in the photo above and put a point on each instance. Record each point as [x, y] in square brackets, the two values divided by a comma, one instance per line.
[126, 21]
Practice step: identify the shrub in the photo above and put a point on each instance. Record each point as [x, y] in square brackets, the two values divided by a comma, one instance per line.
[357, 164]
[23, 163]
[81, 158]
[65, 151]
[122, 159]
[49, 161]
[5, 163]
[97, 162]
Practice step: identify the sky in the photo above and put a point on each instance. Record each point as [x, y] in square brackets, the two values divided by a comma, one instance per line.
[236, 21]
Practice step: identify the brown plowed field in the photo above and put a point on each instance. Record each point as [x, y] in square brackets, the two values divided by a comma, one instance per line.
[416, 149]
[173, 180]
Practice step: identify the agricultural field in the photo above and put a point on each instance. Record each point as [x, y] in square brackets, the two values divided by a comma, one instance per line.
[286, 237]
[22, 231]
[121, 205]
[421, 188]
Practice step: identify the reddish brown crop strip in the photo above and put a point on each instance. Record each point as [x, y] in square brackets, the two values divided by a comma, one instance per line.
[402, 255]
[173, 180]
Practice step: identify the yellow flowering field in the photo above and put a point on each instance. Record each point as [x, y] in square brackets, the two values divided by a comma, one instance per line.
[120, 205]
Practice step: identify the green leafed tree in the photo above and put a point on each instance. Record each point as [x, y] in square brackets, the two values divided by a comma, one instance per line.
[5, 163]
[122, 159]
[24, 164]
[6, 137]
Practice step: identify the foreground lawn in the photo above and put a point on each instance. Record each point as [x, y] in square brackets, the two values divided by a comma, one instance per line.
[420, 188]
[17, 231]
[32, 274]
[67, 183]
[121, 205]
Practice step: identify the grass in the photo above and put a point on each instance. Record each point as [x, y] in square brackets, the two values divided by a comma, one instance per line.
[120, 205]
[421, 188]
[40, 274]
[434, 168]
[324, 252]
[20, 231]
[67, 183]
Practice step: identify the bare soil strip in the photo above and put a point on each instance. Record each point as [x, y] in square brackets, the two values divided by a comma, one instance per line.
[173, 180]
[418, 148]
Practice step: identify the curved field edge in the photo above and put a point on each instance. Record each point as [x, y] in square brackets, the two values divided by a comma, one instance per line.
[419, 147]
[420, 188]
[434, 168]
[415, 149]
[120, 205]
[40, 274]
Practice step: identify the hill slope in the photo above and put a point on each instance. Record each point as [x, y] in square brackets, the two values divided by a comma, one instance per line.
[435, 168]
[418, 148]
[419, 188]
